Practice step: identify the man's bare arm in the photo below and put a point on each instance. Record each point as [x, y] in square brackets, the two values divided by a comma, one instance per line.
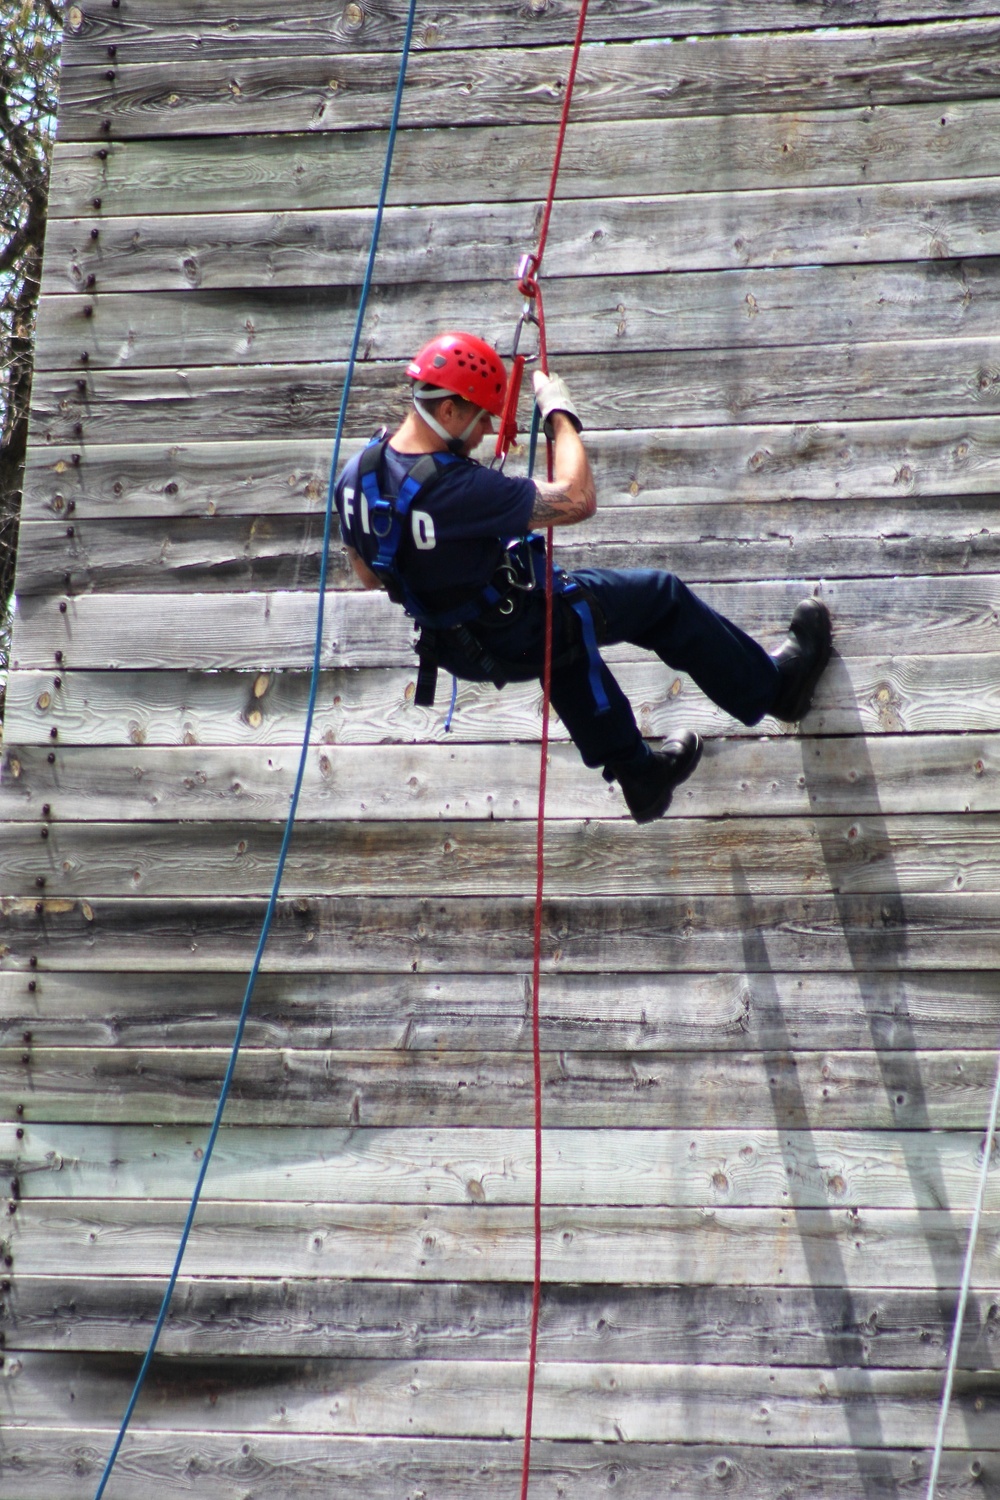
[570, 496]
[368, 578]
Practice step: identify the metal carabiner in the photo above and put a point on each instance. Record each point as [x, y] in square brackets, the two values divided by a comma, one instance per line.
[390, 516]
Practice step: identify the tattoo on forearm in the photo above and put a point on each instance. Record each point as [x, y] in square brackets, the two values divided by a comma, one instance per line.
[548, 508]
[554, 507]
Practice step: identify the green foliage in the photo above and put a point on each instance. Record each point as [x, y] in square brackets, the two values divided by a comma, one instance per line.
[29, 75]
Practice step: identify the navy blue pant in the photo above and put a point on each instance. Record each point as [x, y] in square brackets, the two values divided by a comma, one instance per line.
[650, 609]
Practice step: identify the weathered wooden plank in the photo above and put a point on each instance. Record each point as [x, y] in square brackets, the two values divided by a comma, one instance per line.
[856, 1249]
[392, 934]
[505, 163]
[218, 554]
[873, 381]
[222, 554]
[729, 75]
[477, 1469]
[771, 306]
[875, 696]
[896, 461]
[313, 29]
[929, 774]
[726, 1013]
[617, 1402]
[477, 1089]
[594, 237]
[682, 855]
[365, 629]
[764, 1167]
[884, 1328]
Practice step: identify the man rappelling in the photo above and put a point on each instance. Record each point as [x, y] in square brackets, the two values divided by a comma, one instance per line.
[451, 541]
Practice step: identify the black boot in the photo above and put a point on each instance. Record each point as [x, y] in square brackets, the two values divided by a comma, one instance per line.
[649, 786]
[801, 660]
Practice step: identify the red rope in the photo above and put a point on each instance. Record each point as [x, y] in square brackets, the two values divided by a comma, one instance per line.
[530, 288]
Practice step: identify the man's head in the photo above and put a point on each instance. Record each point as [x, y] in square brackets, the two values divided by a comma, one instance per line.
[459, 384]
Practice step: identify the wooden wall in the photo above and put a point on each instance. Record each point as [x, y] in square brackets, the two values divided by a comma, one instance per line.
[769, 1021]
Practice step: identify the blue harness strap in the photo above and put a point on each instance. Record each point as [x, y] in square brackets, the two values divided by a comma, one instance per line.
[580, 605]
[388, 518]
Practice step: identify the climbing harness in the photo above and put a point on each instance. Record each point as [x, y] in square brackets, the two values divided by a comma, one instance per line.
[956, 1336]
[300, 775]
[445, 638]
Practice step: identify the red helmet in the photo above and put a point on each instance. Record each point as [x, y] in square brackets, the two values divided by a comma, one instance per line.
[464, 366]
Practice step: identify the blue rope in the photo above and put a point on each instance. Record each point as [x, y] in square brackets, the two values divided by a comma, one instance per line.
[310, 712]
[451, 705]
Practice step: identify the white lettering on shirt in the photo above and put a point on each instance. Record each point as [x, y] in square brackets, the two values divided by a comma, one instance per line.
[422, 526]
[348, 508]
[364, 514]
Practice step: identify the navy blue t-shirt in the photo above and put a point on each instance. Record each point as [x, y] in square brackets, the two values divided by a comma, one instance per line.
[456, 533]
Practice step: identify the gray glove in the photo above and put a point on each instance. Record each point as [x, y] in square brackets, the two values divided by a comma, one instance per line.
[552, 395]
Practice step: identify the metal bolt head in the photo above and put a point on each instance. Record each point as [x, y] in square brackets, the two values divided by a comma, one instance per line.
[95, 204]
[58, 657]
[32, 987]
[53, 734]
[33, 960]
[71, 504]
[45, 833]
[40, 880]
[47, 806]
[63, 606]
[51, 760]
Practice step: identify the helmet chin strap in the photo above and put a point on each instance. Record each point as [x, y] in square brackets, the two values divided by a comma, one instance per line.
[455, 444]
